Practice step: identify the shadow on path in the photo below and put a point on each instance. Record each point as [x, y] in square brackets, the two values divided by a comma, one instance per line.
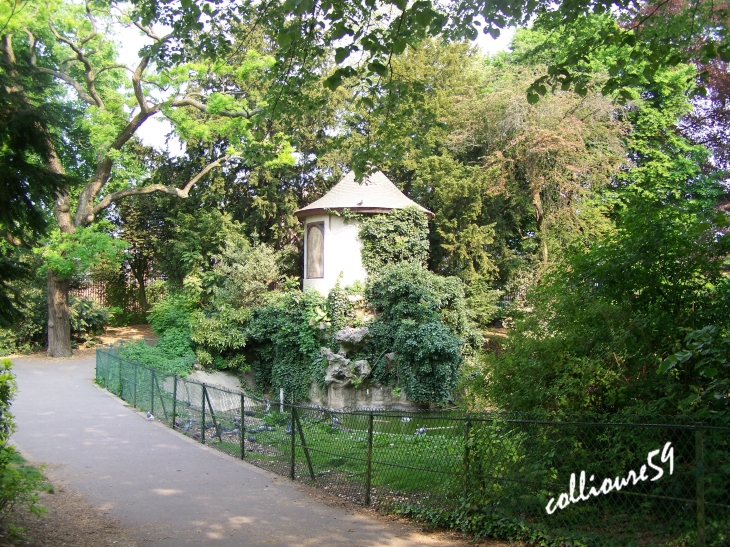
[165, 488]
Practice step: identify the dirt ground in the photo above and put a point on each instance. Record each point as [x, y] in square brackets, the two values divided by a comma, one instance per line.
[70, 521]
[109, 336]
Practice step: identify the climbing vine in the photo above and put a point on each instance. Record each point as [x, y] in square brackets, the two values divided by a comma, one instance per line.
[422, 324]
[284, 340]
[399, 236]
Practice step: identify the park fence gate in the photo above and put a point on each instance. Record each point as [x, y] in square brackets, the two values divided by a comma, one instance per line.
[490, 473]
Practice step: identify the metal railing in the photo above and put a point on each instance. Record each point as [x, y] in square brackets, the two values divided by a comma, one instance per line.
[489, 473]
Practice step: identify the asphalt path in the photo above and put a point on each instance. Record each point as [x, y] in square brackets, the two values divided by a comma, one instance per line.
[166, 489]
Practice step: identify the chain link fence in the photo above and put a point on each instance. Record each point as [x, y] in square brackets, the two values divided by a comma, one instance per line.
[577, 480]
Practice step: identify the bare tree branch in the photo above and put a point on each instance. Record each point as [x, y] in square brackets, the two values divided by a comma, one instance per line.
[189, 101]
[60, 75]
[89, 73]
[141, 190]
[137, 83]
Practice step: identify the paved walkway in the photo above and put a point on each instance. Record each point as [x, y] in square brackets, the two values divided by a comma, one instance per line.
[164, 488]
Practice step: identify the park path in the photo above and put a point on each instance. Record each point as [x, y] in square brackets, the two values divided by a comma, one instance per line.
[166, 489]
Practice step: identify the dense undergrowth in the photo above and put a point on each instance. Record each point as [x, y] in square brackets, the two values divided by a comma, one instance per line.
[20, 483]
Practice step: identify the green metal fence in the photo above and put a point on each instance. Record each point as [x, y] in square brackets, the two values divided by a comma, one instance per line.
[492, 473]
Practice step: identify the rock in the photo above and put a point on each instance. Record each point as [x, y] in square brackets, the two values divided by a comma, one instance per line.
[361, 368]
[334, 358]
[341, 371]
[350, 338]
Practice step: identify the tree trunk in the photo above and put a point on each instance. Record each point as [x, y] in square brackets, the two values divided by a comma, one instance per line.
[141, 289]
[59, 326]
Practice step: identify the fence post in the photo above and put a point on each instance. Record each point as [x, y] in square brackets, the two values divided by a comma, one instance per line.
[152, 391]
[134, 397]
[121, 383]
[304, 445]
[467, 431]
[369, 460]
[212, 416]
[174, 400]
[293, 447]
[700, 471]
[243, 426]
[202, 417]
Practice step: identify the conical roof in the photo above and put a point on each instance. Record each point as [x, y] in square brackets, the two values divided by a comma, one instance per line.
[376, 194]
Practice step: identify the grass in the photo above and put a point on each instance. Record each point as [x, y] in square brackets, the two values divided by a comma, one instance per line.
[422, 475]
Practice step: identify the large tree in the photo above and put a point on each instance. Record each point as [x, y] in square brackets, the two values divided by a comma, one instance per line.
[205, 101]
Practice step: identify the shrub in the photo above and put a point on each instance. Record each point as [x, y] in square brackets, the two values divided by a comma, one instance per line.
[173, 311]
[423, 319]
[170, 319]
[285, 337]
[87, 317]
[244, 275]
[172, 353]
[19, 483]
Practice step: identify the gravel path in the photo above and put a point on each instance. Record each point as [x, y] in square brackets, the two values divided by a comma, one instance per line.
[165, 489]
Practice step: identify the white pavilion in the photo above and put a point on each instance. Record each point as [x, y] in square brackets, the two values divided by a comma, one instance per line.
[331, 244]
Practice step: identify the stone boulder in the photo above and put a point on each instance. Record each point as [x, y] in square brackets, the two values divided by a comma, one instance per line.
[341, 371]
[351, 339]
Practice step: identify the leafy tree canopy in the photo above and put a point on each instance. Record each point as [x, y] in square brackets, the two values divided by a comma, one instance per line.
[367, 34]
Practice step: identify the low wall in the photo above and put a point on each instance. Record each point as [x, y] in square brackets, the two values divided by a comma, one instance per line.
[337, 397]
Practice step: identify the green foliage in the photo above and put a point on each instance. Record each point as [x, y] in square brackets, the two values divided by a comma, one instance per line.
[423, 319]
[19, 483]
[170, 318]
[172, 312]
[401, 235]
[171, 354]
[8, 389]
[74, 254]
[243, 275]
[429, 356]
[704, 365]
[285, 337]
[28, 331]
[245, 272]
[339, 308]
[87, 317]
[409, 291]
[460, 239]
[603, 323]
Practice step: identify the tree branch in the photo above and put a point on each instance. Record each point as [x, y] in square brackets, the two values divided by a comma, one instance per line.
[172, 190]
[188, 101]
[137, 83]
[82, 58]
[84, 211]
[60, 75]
[111, 67]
